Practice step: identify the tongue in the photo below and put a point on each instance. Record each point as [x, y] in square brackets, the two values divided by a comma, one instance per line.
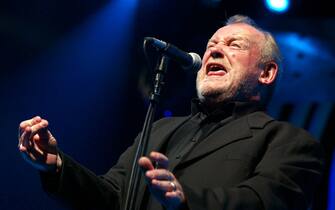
[216, 73]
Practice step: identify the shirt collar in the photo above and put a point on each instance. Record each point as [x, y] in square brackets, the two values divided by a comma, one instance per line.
[234, 108]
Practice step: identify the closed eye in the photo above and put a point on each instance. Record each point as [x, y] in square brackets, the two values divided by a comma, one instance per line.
[235, 44]
[239, 44]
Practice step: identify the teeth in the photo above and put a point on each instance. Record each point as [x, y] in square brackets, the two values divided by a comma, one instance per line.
[215, 67]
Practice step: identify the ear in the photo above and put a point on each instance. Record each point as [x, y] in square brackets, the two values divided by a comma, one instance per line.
[269, 73]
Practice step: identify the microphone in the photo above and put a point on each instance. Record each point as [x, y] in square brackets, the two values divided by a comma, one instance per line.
[188, 61]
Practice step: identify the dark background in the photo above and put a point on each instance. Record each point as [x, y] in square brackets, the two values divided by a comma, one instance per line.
[80, 65]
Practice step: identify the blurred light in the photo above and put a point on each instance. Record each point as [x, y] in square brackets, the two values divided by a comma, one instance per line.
[167, 113]
[292, 42]
[301, 43]
[81, 71]
[278, 6]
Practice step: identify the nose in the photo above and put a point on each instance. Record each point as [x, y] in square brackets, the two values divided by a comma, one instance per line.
[216, 53]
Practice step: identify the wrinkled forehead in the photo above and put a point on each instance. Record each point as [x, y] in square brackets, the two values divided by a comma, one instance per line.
[238, 30]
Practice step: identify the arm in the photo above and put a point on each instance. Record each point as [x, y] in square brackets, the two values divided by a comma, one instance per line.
[77, 186]
[65, 179]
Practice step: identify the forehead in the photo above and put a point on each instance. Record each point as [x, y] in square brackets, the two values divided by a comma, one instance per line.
[238, 30]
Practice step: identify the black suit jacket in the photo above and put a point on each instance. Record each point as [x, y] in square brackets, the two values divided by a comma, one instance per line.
[253, 162]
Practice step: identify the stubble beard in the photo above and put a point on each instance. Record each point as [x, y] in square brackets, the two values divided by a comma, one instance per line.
[242, 91]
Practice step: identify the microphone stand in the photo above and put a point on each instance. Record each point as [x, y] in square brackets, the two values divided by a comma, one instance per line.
[141, 149]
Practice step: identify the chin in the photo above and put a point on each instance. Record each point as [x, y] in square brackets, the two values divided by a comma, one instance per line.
[211, 95]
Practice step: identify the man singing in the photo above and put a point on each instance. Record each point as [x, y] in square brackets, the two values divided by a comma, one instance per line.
[227, 154]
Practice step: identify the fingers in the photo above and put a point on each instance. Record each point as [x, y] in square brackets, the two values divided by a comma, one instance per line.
[40, 127]
[37, 145]
[160, 160]
[24, 141]
[162, 183]
[29, 123]
[33, 134]
[28, 146]
[145, 163]
[175, 196]
[36, 124]
[160, 174]
[24, 126]
[165, 186]
[29, 128]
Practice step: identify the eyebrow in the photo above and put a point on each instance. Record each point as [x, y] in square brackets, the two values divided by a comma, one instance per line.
[233, 37]
[239, 38]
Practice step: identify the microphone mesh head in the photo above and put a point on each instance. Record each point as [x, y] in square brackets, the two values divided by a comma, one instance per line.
[196, 64]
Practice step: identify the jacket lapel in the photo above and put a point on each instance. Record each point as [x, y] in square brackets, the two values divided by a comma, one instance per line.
[236, 130]
[164, 130]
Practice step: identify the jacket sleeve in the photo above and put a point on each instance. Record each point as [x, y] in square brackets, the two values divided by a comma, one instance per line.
[80, 188]
[285, 178]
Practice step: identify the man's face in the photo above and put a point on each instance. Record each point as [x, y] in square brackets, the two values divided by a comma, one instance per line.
[230, 65]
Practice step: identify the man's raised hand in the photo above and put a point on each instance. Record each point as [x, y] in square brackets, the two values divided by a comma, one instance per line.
[37, 145]
[162, 183]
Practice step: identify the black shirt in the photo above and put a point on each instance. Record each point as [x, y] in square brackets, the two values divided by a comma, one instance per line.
[200, 125]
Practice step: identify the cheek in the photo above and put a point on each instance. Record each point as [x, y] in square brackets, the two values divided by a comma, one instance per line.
[205, 57]
[238, 62]
[201, 73]
[200, 76]
[241, 59]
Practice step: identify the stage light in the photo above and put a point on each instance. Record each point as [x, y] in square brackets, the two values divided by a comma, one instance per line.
[167, 113]
[278, 6]
[86, 71]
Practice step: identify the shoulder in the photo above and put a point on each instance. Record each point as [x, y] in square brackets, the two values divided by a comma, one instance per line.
[279, 133]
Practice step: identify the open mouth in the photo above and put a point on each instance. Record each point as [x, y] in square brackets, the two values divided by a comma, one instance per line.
[215, 69]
